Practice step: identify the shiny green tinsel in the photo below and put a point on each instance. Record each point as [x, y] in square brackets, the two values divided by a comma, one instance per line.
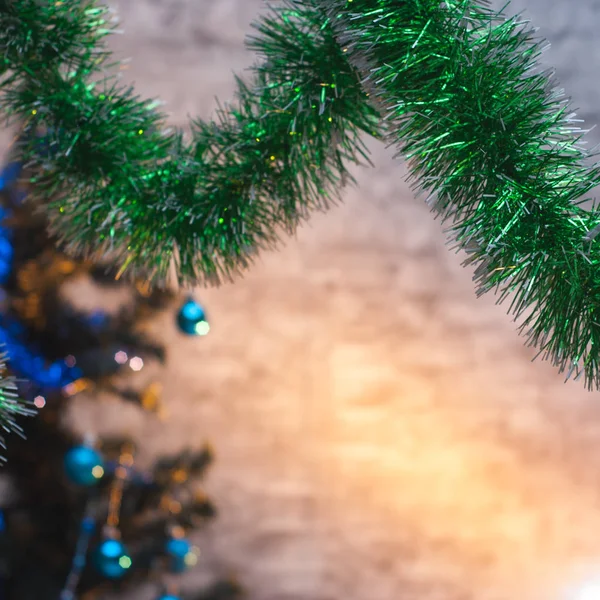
[11, 404]
[486, 136]
[491, 143]
[116, 184]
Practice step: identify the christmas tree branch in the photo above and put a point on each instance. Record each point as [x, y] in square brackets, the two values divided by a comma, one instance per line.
[11, 404]
[113, 182]
[495, 148]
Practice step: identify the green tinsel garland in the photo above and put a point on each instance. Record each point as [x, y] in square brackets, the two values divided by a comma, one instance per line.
[114, 183]
[487, 138]
[494, 147]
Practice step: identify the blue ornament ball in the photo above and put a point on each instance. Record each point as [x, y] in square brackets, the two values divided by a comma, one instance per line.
[111, 559]
[83, 466]
[180, 551]
[191, 318]
[168, 597]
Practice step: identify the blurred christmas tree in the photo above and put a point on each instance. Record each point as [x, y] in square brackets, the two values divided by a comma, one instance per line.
[83, 520]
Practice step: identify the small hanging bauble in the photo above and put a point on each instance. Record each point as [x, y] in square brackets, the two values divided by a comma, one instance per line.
[181, 554]
[168, 597]
[111, 559]
[83, 465]
[191, 319]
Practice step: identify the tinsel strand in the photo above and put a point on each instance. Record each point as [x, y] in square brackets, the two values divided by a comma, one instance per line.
[496, 150]
[115, 183]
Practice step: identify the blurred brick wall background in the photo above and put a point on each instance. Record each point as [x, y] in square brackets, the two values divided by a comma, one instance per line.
[379, 432]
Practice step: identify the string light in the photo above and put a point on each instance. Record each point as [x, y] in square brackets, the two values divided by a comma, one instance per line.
[136, 363]
[121, 357]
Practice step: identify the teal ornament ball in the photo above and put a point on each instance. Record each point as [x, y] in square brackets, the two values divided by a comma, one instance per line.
[180, 552]
[83, 466]
[191, 318]
[168, 597]
[111, 559]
